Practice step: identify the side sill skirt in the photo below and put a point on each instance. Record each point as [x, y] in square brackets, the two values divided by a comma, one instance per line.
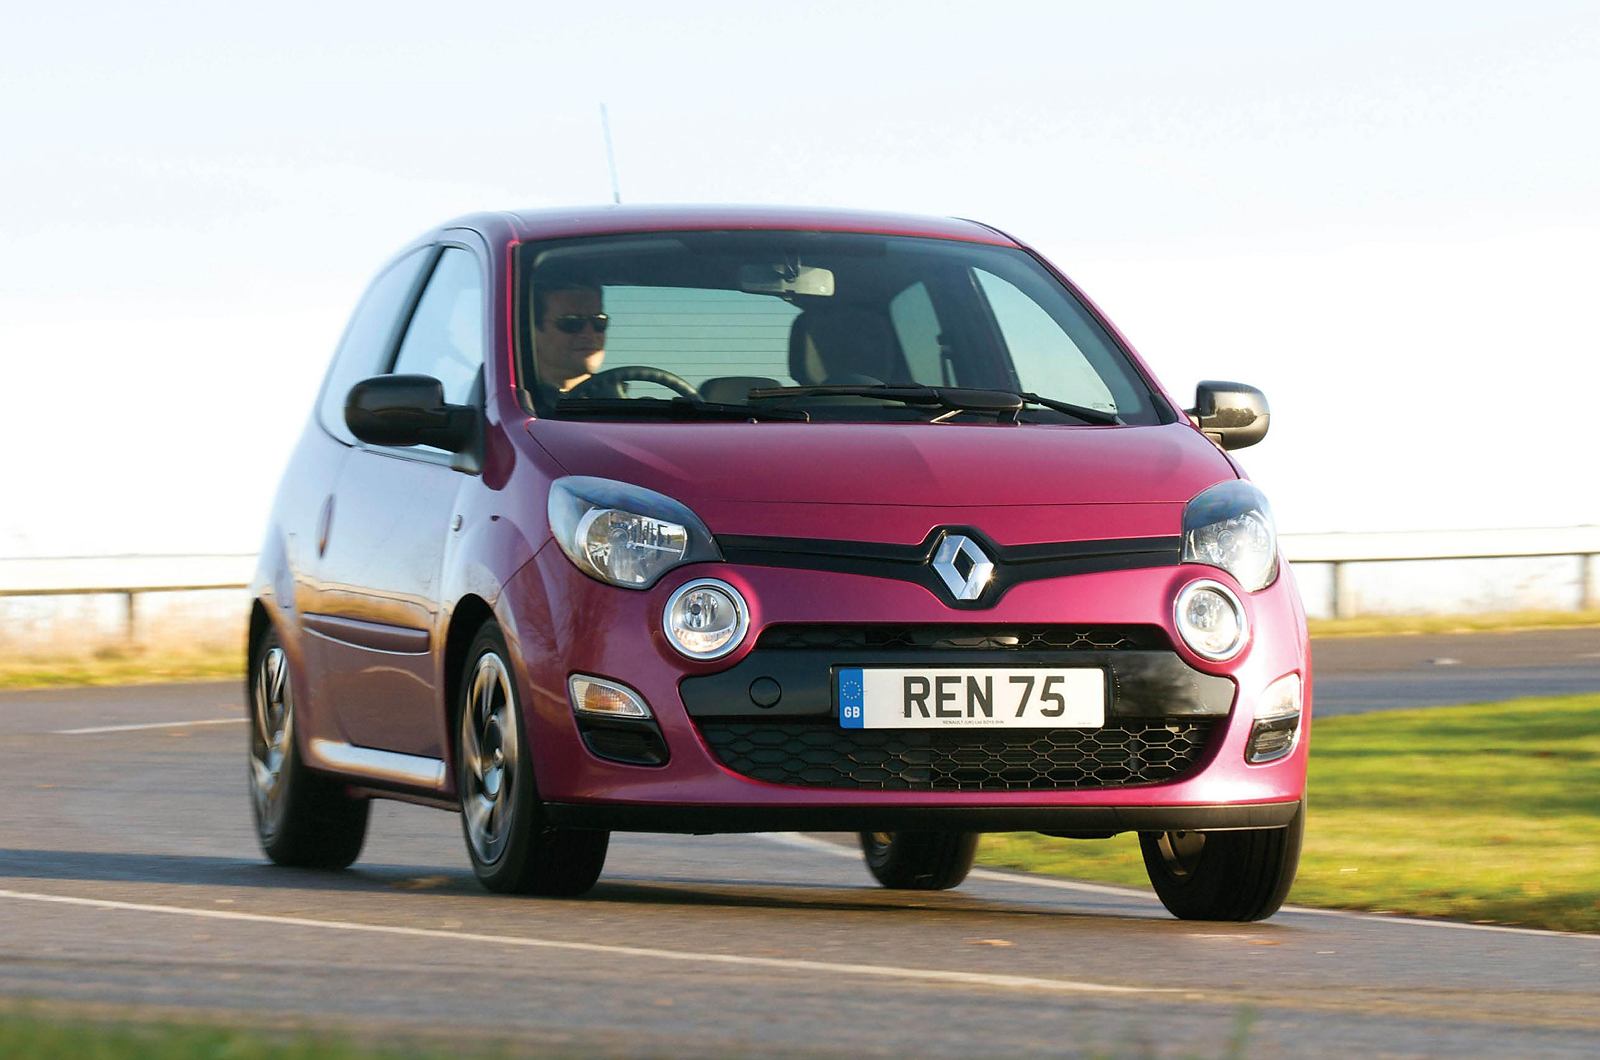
[387, 767]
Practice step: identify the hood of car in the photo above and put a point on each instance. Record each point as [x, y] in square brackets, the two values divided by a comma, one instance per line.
[892, 464]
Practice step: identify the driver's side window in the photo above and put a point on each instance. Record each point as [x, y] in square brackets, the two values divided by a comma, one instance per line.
[445, 337]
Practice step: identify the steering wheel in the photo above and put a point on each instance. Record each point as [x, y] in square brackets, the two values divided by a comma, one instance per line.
[612, 378]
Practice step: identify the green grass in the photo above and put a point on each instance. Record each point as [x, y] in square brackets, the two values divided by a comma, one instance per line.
[121, 666]
[1398, 625]
[28, 1037]
[1487, 813]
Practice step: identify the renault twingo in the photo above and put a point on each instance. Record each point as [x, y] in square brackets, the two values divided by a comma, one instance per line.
[694, 519]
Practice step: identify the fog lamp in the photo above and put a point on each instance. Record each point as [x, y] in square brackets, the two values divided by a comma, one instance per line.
[706, 619]
[1277, 723]
[591, 695]
[1211, 620]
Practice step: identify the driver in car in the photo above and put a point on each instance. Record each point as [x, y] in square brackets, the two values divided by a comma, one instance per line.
[569, 326]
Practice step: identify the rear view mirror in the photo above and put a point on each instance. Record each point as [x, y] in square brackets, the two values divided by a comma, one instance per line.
[408, 410]
[786, 278]
[1231, 414]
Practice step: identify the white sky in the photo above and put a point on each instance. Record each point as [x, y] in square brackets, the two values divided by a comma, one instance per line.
[1384, 215]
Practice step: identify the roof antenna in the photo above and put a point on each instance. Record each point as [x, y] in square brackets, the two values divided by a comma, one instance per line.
[611, 157]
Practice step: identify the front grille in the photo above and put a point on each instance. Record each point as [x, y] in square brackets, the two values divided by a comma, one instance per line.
[964, 637]
[818, 755]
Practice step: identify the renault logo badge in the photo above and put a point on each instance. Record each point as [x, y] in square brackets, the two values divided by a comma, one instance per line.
[966, 571]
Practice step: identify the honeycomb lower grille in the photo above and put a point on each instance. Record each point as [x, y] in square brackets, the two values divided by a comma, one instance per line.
[825, 756]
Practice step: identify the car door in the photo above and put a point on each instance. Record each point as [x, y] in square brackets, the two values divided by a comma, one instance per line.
[388, 534]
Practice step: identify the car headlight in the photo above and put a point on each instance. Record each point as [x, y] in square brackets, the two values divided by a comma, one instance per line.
[1230, 526]
[1211, 620]
[623, 534]
[706, 619]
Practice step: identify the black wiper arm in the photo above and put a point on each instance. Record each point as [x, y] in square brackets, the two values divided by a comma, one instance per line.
[959, 399]
[1083, 412]
[954, 398]
[680, 408]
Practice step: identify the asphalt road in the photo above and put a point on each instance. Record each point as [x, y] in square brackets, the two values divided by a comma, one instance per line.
[130, 881]
[1356, 674]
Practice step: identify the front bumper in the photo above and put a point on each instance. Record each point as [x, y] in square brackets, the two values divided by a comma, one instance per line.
[564, 622]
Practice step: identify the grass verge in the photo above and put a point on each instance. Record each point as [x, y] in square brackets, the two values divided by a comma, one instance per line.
[1400, 625]
[1486, 813]
[121, 666]
[26, 1037]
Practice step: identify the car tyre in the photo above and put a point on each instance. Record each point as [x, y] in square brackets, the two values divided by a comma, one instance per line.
[920, 861]
[303, 819]
[1242, 875]
[513, 849]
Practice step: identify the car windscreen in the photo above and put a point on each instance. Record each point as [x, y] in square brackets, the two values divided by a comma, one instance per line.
[814, 325]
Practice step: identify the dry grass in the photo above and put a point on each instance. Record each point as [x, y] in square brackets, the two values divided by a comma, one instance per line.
[1401, 625]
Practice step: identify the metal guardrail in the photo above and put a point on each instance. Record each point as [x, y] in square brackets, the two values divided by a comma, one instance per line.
[125, 576]
[1341, 550]
[132, 576]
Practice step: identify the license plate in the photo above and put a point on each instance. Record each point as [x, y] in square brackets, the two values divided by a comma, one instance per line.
[936, 698]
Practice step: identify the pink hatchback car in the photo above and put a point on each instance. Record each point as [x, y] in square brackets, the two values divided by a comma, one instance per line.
[734, 519]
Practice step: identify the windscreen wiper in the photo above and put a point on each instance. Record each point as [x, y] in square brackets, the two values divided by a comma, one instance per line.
[680, 408]
[1083, 412]
[953, 398]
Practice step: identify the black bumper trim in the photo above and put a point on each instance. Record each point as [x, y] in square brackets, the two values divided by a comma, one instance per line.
[1141, 684]
[1103, 820]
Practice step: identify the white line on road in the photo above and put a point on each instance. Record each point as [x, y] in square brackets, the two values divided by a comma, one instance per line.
[822, 845]
[880, 971]
[148, 725]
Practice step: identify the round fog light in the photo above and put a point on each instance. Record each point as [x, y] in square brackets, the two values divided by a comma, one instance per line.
[706, 619]
[1211, 620]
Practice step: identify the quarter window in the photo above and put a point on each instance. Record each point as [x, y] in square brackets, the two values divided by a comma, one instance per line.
[368, 339]
[445, 337]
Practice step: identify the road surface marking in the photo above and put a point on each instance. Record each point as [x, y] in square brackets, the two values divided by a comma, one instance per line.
[879, 971]
[148, 725]
[794, 839]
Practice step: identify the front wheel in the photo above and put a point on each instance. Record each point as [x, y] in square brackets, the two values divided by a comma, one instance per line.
[302, 818]
[513, 850]
[1243, 875]
[920, 861]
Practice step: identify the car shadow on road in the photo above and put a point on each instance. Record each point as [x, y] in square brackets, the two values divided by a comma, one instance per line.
[203, 871]
[199, 871]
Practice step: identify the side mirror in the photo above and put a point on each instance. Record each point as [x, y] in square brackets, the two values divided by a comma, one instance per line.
[408, 410]
[1231, 414]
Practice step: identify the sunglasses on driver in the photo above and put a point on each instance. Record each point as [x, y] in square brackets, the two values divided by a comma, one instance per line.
[572, 323]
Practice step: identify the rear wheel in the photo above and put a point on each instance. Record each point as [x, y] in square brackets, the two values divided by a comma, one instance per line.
[1243, 875]
[513, 850]
[920, 861]
[302, 818]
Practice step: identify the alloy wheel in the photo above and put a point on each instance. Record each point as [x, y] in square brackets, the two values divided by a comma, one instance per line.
[271, 736]
[489, 758]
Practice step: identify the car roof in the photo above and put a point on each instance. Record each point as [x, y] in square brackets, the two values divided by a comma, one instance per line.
[562, 222]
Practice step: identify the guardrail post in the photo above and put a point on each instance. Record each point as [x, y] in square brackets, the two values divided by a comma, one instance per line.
[1343, 597]
[131, 616]
[1588, 582]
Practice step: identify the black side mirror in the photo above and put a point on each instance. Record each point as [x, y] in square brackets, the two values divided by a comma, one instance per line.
[1231, 414]
[408, 410]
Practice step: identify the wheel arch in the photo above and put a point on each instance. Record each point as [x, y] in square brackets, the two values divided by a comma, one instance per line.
[469, 615]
